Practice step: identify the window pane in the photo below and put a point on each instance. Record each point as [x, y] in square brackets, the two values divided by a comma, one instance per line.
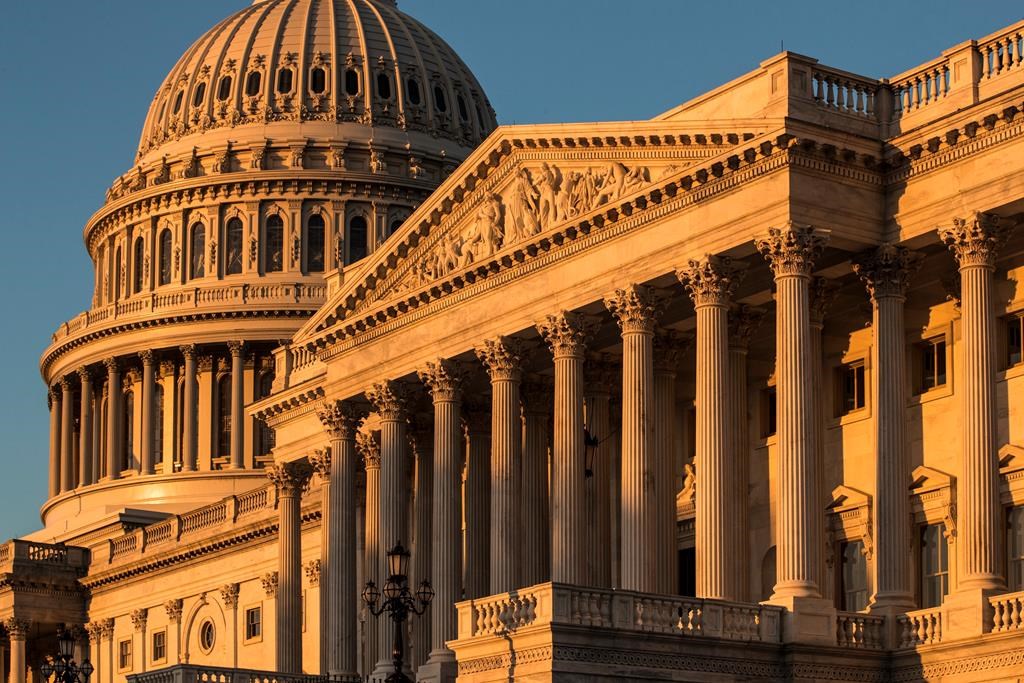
[198, 250]
[854, 576]
[318, 81]
[234, 247]
[224, 90]
[253, 83]
[165, 257]
[1013, 341]
[383, 86]
[200, 94]
[284, 81]
[440, 101]
[940, 363]
[1015, 548]
[357, 239]
[315, 235]
[138, 266]
[412, 86]
[274, 253]
[352, 82]
[224, 416]
[934, 565]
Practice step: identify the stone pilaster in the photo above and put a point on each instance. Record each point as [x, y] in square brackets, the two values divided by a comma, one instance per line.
[503, 359]
[711, 284]
[17, 633]
[538, 400]
[53, 402]
[478, 500]
[369, 450]
[338, 589]
[115, 400]
[975, 242]
[444, 379]
[635, 309]
[236, 349]
[67, 435]
[190, 418]
[148, 411]
[291, 480]
[598, 381]
[85, 436]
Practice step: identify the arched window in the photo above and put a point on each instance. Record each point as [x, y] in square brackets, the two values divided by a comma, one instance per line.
[273, 250]
[198, 255]
[233, 245]
[138, 264]
[177, 101]
[440, 101]
[315, 234]
[166, 245]
[129, 430]
[117, 274]
[284, 80]
[265, 437]
[253, 83]
[357, 239]
[318, 81]
[463, 109]
[351, 82]
[224, 89]
[383, 86]
[158, 426]
[224, 416]
[199, 95]
[412, 87]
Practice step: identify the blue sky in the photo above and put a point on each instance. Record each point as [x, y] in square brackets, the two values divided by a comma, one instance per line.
[79, 76]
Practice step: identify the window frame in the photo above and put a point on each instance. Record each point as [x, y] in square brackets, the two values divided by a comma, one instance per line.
[203, 625]
[308, 252]
[166, 252]
[942, 575]
[230, 226]
[197, 252]
[153, 659]
[257, 637]
[841, 375]
[125, 655]
[927, 348]
[266, 251]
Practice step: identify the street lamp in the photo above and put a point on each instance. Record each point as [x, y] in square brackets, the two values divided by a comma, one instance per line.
[62, 668]
[398, 603]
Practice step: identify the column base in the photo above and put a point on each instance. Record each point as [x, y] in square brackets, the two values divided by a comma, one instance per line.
[967, 613]
[807, 620]
[439, 669]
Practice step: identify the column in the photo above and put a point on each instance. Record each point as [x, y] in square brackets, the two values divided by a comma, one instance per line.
[975, 242]
[291, 479]
[67, 436]
[598, 393]
[17, 632]
[238, 405]
[823, 291]
[388, 399]
[421, 442]
[503, 359]
[148, 430]
[668, 346]
[711, 284]
[478, 501]
[369, 449]
[115, 399]
[537, 402]
[140, 618]
[189, 420]
[791, 252]
[85, 420]
[635, 309]
[743, 322]
[338, 589]
[53, 402]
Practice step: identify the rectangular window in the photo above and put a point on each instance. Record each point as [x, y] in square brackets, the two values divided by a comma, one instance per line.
[850, 388]
[1014, 340]
[853, 593]
[934, 566]
[159, 648]
[769, 412]
[124, 655]
[1015, 548]
[253, 623]
[933, 364]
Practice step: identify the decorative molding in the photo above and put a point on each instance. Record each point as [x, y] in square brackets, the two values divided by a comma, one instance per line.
[312, 570]
[635, 308]
[229, 594]
[139, 618]
[567, 333]
[502, 357]
[290, 478]
[173, 609]
[792, 250]
[711, 281]
[887, 270]
[270, 582]
[443, 379]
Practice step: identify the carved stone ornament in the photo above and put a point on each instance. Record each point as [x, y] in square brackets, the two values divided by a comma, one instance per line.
[321, 462]
[173, 609]
[635, 308]
[538, 396]
[369, 449]
[823, 293]
[188, 351]
[388, 399]
[312, 570]
[269, 582]
[743, 322]
[17, 629]
[567, 333]
[94, 630]
[976, 239]
[669, 345]
[444, 379]
[290, 478]
[886, 271]
[139, 619]
[341, 419]
[711, 281]
[229, 594]
[503, 358]
[108, 628]
[792, 250]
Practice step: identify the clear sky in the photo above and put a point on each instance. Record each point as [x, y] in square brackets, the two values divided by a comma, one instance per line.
[78, 77]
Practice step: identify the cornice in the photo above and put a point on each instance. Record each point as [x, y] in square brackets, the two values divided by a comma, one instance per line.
[307, 400]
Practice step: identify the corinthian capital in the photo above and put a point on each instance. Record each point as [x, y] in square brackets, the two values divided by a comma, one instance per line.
[188, 351]
[17, 629]
[139, 618]
[976, 240]
[823, 293]
[174, 609]
[503, 358]
[792, 250]
[321, 462]
[369, 449]
[743, 322]
[113, 367]
[147, 356]
[388, 399]
[444, 380]
[85, 375]
[341, 419]
[669, 345]
[886, 271]
[711, 281]
[635, 308]
[566, 333]
[291, 478]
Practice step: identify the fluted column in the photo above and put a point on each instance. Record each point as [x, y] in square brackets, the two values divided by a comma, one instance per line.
[85, 420]
[711, 283]
[668, 346]
[338, 590]
[822, 293]
[503, 359]
[743, 322]
[478, 501]
[421, 443]
[444, 380]
[598, 507]
[238, 405]
[53, 402]
[635, 309]
[115, 398]
[17, 632]
[67, 435]
[975, 242]
[388, 399]
[148, 410]
[291, 480]
[566, 333]
[537, 403]
[791, 252]
[190, 418]
[369, 449]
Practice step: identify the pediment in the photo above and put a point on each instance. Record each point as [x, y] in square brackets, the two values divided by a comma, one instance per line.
[924, 479]
[523, 184]
[846, 497]
[1011, 458]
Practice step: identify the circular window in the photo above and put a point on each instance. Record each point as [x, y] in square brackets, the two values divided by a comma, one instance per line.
[207, 636]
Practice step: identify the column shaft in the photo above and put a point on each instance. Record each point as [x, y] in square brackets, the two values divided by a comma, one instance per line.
[478, 506]
[54, 401]
[148, 411]
[598, 505]
[85, 425]
[664, 440]
[423, 549]
[237, 406]
[18, 663]
[536, 565]
[370, 451]
[290, 478]
[190, 407]
[115, 400]
[67, 436]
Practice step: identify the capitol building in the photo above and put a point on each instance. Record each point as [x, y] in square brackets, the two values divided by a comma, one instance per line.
[732, 394]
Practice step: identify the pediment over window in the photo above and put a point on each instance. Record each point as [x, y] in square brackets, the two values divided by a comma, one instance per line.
[1011, 470]
[849, 518]
[846, 497]
[924, 479]
[933, 499]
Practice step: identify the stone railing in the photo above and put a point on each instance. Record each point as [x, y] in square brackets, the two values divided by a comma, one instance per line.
[923, 627]
[552, 603]
[856, 630]
[192, 298]
[190, 673]
[1007, 612]
[1002, 52]
[178, 528]
[845, 92]
[43, 554]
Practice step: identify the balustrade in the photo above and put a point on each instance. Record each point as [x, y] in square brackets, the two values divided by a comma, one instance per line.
[925, 86]
[923, 627]
[856, 630]
[1002, 53]
[191, 673]
[1007, 612]
[845, 93]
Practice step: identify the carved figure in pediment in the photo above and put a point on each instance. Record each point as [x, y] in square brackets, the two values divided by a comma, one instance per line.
[619, 180]
[549, 182]
[486, 235]
[521, 217]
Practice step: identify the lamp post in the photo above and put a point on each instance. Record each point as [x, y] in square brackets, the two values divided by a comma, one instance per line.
[62, 668]
[398, 603]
